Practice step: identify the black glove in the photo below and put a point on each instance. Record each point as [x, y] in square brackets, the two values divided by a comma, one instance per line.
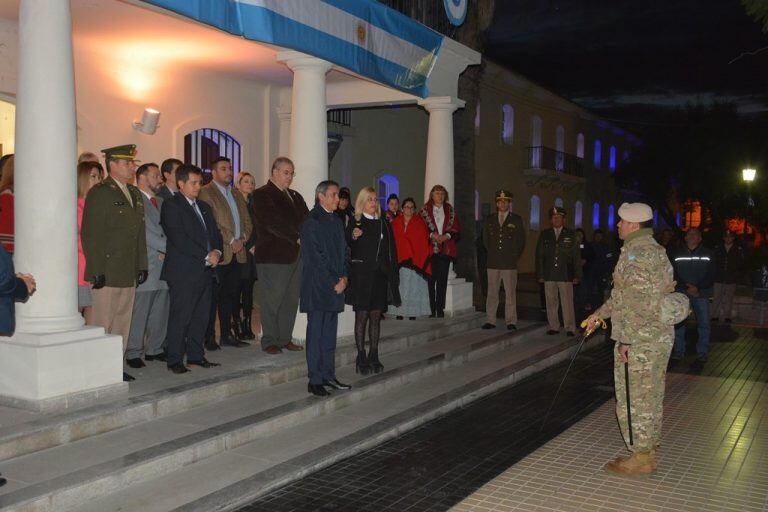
[143, 274]
[98, 281]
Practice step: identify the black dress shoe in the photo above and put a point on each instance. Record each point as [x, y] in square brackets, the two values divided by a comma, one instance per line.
[335, 384]
[128, 378]
[552, 332]
[399, 317]
[317, 390]
[157, 357]
[178, 368]
[570, 334]
[233, 342]
[210, 344]
[441, 314]
[3, 481]
[204, 363]
[511, 327]
[135, 362]
[488, 325]
[433, 315]
[411, 318]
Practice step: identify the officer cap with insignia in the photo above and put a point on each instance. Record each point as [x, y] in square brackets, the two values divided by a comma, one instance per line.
[506, 195]
[557, 210]
[124, 152]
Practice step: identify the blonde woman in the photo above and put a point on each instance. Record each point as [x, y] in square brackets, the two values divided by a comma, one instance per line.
[373, 279]
[88, 174]
[245, 185]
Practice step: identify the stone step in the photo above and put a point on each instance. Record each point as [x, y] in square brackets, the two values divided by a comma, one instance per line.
[232, 479]
[60, 429]
[80, 475]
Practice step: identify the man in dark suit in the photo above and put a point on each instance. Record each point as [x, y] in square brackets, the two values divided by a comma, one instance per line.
[168, 170]
[323, 280]
[114, 243]
[13, 287]
[278, 213]
[558, 266]
[234, 221]
[194, 247]
[150, 307]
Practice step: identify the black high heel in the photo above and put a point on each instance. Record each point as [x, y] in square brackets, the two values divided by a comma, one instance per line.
[362, 366]
[373, 360]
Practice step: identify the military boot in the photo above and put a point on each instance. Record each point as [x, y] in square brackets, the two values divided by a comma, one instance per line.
[639, 463]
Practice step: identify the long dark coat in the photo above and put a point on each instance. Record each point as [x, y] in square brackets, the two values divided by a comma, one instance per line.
[323, 261]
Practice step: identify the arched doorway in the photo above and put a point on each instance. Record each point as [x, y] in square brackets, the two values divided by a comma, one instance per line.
[386, 184]
[203, 146]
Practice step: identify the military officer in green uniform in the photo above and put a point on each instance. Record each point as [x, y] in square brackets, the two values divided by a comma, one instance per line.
[638, 307]
[558, 266]
[504, 239]
[114, 243]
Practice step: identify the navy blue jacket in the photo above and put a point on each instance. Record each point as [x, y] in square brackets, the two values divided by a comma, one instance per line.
[188, 241]
[12, 289]
[695, 267]
[323, 261]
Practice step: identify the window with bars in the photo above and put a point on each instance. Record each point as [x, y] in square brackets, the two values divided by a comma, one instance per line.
[203, 146]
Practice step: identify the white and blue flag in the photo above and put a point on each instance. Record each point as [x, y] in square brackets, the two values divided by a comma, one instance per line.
[363, 36]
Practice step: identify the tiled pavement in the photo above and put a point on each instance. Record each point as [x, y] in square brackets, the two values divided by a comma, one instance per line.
[491, 455]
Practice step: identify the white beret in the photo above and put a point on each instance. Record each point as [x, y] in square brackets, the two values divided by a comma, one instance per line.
[635, 212]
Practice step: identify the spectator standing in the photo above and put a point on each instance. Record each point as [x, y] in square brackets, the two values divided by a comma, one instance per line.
[88, 175]
[168, 170]
[504, 240]
[114, 243]
[323, 281]
[598, 270]
[373, 280]
[246, 184]
[393, 207]
[729, 261]
[413, 254]
[278, 213]
[194, 248]
[558, 266]
[694, 267]
[444, 230]
[345, 211]
[231, 213]
[152, 302]
[6, 204]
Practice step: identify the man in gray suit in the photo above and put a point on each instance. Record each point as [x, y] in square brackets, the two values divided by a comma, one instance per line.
[152, 302]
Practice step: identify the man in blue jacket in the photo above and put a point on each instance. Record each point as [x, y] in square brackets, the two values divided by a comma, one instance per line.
[694, 267]
[324, 272]
[13, 287]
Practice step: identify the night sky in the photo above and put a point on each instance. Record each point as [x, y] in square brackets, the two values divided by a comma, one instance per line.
[619, 56]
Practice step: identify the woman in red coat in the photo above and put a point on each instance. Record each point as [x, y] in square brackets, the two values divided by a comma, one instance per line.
[443, 226]
[413, 255]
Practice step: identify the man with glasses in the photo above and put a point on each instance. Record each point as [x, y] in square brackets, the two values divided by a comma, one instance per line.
[278, 213]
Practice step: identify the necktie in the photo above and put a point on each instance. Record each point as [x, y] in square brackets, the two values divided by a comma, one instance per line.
[289, 195]
[153, 201]
[198, 212]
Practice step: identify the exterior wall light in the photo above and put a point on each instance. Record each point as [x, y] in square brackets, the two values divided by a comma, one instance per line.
[148, 123]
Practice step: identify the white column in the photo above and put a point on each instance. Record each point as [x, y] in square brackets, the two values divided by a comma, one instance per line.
[439, 171]
[309, 128]
[51, 354]
[284, 143]
[439, 168]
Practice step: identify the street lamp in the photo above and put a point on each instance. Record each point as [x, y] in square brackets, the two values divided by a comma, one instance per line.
[748, 176]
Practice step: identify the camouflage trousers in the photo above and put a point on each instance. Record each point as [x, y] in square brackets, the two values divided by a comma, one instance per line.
[647, 372]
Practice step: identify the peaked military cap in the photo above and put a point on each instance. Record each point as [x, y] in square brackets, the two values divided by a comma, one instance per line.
[503, 194]
[557, 210]
[125, 152]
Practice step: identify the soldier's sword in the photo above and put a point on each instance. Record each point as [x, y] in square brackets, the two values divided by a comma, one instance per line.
[587, 334]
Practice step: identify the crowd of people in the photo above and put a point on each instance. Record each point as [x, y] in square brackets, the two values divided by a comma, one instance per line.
[169, 262]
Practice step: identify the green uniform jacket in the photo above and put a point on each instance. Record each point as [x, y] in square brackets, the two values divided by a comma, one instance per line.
[641, 279]
[114, 241]
[504, 243]
[558, 259]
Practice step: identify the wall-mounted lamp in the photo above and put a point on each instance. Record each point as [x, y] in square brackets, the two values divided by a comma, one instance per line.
[748, 175]
[148, 122]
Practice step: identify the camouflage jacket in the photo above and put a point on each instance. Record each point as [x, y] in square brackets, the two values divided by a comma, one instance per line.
[642, 277]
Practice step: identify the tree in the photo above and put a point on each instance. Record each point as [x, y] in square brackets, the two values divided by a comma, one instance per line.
[757, 10]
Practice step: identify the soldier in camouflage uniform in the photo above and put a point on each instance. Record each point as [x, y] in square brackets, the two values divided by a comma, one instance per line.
[642, 279]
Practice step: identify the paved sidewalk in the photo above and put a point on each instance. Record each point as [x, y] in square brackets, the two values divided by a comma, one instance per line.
[714, 453]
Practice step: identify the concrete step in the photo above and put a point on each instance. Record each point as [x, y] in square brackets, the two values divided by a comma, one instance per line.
[232, 479]
[65, 477]
[59, 429]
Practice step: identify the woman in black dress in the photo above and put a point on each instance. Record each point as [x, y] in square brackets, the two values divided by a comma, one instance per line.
[373, 277]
